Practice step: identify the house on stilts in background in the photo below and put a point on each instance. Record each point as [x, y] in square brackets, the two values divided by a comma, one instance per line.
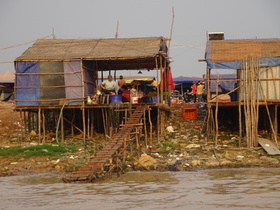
[55, 77]
[251, 103]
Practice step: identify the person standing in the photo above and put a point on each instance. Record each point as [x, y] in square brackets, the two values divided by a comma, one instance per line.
[194, 91]
[109, 86]
[133, 94]
[200, 91]
[121, 83]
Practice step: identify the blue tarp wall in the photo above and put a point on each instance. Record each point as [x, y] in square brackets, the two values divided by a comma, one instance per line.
[223, 85]
[181, 79]
[46, 83]
[264, 62]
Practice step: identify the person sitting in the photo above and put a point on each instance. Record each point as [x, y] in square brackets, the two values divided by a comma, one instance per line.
[125, 94]
[109, 86]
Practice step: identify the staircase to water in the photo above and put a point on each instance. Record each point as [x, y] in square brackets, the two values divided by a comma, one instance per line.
[110, 155]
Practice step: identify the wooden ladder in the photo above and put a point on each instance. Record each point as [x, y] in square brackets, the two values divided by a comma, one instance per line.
[110, 154]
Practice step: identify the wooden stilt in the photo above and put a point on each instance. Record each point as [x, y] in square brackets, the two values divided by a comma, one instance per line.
[209, 109]
[145, 128]
[216, 111]
[44, 126]
[62, 128]
[39, 125]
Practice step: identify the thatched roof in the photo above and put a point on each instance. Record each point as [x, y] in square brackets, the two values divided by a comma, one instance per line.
[218, 51]
[93, 49]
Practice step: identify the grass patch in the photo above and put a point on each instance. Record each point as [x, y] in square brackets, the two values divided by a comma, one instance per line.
[166, 147]
[39, 150]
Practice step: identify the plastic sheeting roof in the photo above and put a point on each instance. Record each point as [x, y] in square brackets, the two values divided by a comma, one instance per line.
[228, 54]
[181, 79]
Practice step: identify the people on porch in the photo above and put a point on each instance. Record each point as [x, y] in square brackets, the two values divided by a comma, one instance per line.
[125, 93]
[109, 86]
[121, 83]
[200, 91]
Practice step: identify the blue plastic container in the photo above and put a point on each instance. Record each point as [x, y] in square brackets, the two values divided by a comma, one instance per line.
[155, 99]
[115, 99]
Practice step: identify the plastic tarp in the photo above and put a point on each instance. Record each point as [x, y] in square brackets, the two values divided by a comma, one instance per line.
[181, 79]
[224, 86]
[264, 62]
[73, 80]
[57, 81]
[32, 81]
[88, 77]
[51, 82]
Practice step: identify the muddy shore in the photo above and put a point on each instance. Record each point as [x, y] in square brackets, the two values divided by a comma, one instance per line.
[184, 148]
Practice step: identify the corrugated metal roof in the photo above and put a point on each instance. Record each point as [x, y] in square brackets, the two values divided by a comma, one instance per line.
[95, 49]
[237, 50]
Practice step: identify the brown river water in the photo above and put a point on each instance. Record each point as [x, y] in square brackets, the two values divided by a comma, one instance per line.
[255, 188]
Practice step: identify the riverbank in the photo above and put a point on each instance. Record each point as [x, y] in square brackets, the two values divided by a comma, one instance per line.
[183, 147]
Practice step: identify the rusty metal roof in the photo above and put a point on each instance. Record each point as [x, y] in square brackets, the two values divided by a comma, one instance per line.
[94, 49]
[218, 51]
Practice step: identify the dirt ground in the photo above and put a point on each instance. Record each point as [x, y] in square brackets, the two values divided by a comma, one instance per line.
[9, 120]
[189, 149]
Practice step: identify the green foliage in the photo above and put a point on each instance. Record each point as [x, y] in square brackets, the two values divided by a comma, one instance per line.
[167, 147]
[39, 150]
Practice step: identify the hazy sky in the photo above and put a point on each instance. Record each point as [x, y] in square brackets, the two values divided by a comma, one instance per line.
[22, 21]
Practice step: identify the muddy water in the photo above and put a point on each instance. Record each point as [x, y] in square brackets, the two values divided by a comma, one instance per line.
[202, 189]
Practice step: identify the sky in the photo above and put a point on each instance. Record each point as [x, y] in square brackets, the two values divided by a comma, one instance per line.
[24, 21]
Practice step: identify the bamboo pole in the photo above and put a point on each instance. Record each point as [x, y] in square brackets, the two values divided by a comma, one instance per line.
[92, 123]
[62, 128]
[117, 30]
[216, 111]
[257, 97]
[161, 80]
[53, 73]
[22, 125]
[72, 122]
[247, 105]
[158, 124]
[171, 29]
[83, 103]
[245, 101]
[269, 118]
[145, 127]
[157, 69]
[208, 71]
[267, 85]
[88, 122]
[73, 126]
[39, 125]
[150, 123]
[104, 124]
[276, 123]
[239, 111]
[252, 101]
[44, 125]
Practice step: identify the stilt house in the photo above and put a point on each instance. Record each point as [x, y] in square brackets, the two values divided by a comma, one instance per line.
[257, 87]
[56, 74]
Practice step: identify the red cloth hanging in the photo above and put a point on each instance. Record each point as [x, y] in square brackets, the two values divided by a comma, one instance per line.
[167, 80]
